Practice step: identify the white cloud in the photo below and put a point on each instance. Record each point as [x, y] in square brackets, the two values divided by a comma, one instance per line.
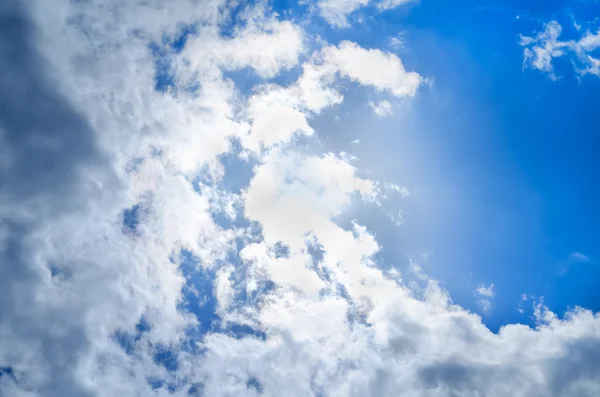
[372, 67]
[381, 109]
[326, 319]
[403, 191]
[224, 292]
[336, 12]
[397, 41]
[264, 44]
[541, 49]
[390, 4]
[487, 291]
[278, 114]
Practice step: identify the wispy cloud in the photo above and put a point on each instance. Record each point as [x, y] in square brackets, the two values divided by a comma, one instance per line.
[541, 49]
[485, 290]
[381, 109]
[579, 257]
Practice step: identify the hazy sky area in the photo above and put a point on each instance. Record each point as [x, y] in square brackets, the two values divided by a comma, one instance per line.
[324, 198]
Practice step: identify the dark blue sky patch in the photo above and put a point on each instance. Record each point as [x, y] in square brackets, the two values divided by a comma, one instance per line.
[166, 357]
[199, 299]
[128, 340]
[198, 296]
[236, 18]
[253, 383]
[131, 219]
[178, 42]
[196, 390]
[158, 383]
[240, 331]
[164, 80]
[59, 272]
[281, 250]
[8, 372]
[142, 326]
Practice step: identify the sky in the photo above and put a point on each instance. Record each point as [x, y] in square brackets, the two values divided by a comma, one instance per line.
[326, 198]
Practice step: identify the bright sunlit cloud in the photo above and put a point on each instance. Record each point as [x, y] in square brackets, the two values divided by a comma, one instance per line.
[170, 225]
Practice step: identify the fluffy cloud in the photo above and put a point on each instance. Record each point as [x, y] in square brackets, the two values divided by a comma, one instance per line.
[384, 71]
[120, 275]
[541, 49]
[264, 44]
[277, 114]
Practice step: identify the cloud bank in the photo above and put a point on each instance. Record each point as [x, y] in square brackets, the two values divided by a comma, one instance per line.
[133, 265]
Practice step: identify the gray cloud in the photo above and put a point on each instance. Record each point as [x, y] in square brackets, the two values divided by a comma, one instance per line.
[45, 143]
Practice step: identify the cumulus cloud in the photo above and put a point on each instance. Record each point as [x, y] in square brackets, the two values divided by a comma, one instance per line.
[132, 266]
[278, 114]
[540, 50]
[384, 71]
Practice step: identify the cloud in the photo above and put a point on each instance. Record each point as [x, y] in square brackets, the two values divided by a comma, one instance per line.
[485, 291]
[381, 109]
[391, 4]
[278, 114]
[541, 49]
[485, 304]
[47, 143]
[264, 44]
[573, 259]
[384, 71]
[578, 256]
[132, 266]
[336, 12]
[398, 41]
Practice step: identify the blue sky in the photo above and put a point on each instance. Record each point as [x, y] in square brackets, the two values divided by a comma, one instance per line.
[508, 157]
[355, 198]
